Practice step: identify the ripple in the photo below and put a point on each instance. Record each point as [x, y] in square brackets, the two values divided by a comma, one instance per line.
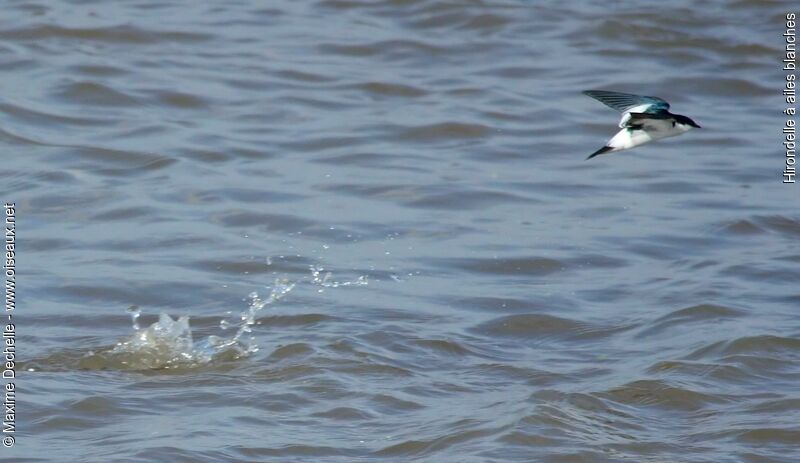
[250, 267]
[444, 131]
[513, 72]
[322, 144]
[345, 414]
[493, 304]
[279, 222]
[100, 70]
[771, 436]
[654, 393]
[586, 417]
[114, 162]
[292, 351]
[701, 313]
[94, 94]
[14, 139]
[751, 345]
[367, 160]
[726, 87]
[784, 225]
[303, 76]
[181, 100]
[466, 200]
[741, 227]
[504, 373]
[764, 272]
[538, 327]
[385, 89]
[122, 214]
[387, 49]
[117, 34]
[295, 320]
[530, 266]
[42, 118]
[388, 404]
[717, 371]
[675, 187]
[412, 448]
[444, 347]
[98, 405]
[291, 450]
[487, 22]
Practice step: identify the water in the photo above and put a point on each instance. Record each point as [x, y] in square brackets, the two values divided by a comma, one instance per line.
[365, 231]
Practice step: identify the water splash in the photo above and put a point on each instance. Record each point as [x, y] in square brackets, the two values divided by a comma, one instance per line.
[324, 280]
[169, 344]
[280, 288]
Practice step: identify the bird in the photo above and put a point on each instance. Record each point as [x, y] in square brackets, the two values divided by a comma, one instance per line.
[644, 119]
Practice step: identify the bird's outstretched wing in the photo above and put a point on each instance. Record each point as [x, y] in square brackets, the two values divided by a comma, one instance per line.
[624, 102]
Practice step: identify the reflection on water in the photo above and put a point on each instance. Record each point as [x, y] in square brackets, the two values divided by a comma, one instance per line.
[521, 305]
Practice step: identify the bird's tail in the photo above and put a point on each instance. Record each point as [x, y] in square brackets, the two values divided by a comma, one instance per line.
[602, 150]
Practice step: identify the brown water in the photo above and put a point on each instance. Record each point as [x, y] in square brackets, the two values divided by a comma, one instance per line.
[492, 297]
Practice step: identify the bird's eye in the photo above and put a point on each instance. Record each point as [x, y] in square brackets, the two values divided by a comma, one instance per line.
[673, 123]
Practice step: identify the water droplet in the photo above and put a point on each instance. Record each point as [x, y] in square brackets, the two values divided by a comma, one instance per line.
[135, 312]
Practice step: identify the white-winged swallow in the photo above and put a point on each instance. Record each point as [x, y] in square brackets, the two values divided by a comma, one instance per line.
[644, 119]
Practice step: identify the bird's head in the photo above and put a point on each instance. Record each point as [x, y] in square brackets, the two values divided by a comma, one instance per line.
[684, 122]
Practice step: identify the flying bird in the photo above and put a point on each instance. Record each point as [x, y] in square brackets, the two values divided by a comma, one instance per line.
[644, 119]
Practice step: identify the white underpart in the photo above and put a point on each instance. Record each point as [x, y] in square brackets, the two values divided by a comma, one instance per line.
[655, 129]
[626, 139]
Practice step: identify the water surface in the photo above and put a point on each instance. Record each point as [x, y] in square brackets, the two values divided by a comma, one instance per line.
[463, 286]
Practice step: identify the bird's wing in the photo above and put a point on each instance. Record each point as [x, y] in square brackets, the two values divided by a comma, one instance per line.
[624, 102]
[651, 121]
[656, 122]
